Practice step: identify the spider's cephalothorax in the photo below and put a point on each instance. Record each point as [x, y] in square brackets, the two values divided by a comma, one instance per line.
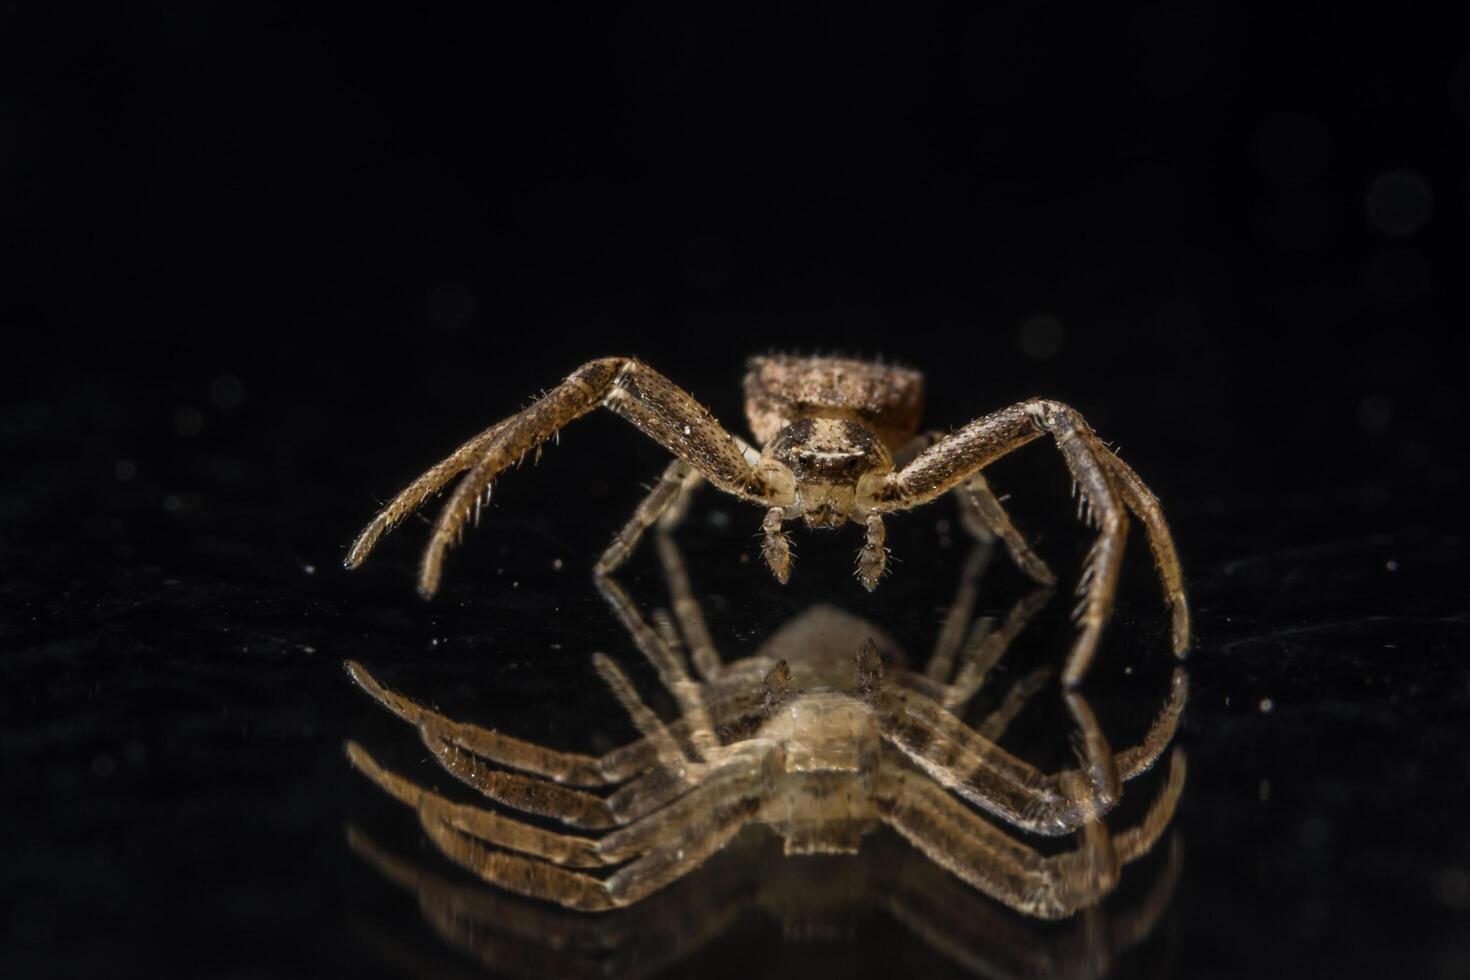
[826, 460]
[840, 441]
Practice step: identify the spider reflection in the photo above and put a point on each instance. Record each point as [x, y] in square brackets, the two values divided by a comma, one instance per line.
[821, 735]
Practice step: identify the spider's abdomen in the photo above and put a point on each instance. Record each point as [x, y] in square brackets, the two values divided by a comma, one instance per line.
[781, 389]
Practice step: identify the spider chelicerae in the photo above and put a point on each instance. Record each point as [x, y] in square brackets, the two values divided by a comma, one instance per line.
[840, 441]
[813, 735]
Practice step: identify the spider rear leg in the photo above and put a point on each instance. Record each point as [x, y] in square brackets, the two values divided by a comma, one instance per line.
[983, 516]
[668, 500]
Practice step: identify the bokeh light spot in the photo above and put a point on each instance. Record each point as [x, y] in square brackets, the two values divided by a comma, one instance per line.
[1399, 202]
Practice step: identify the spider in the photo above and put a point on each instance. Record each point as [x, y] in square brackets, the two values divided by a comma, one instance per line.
[839, 442]
[804, 736]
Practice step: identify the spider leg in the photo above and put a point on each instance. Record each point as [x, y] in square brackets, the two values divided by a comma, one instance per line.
[671, 671]
[521, 875]
[571, 768]
[486, 825]
[960, 456]
[666, 497]
[983, 516]
[981, 512]
[959, 758]
[528, 794]
[462, 749]
[984, 856]
[995, 724]
[738, 777]
[678, 839]
[412, 497]
[957, 617]
[1146, 507]
[665, 845]
[656, 406]
[687, 612]
[987, 643]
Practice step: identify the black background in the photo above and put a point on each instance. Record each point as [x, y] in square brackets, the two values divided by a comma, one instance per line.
[264, 264]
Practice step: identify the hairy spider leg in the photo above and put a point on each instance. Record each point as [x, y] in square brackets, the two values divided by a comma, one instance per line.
[1145, 506]
[984, 856]
[486, 825]
[730, 707]
[674, 484]
[981, 513]
[412, 497]
[571, 768]
[660, 409]
[975, 768]
[959, 456]
[658, 848]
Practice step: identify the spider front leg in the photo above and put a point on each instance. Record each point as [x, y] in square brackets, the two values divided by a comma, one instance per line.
[660, 409]
[1106, 486]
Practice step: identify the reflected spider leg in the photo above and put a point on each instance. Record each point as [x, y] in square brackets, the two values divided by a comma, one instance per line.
[687, 612]
[961, 611]
[671, 670]
[977, 852]
[670, 755]
[981, 649]
[571, 768]
[986, 644]
[975, 768]
[487, 825]
[994, 725]
[662, 846]
[1106, 486]
[615, 767]
[655, 405]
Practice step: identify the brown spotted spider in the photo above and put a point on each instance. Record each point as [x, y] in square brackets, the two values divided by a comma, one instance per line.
[817, 743]
[839, 442]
